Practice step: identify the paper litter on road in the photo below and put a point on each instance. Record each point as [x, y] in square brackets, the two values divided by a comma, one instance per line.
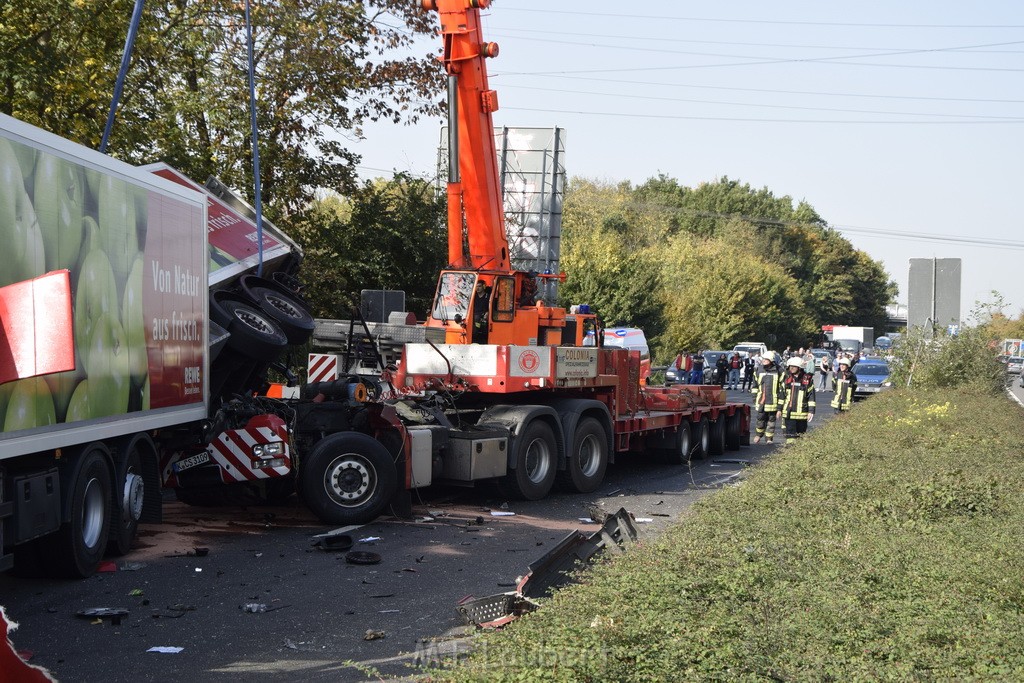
[166, 649]
[502, 513]
[587, 520]
[643, 520]
[369, 539]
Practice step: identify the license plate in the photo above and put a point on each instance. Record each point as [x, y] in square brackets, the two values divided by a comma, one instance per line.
[873, 390]
[192, 461]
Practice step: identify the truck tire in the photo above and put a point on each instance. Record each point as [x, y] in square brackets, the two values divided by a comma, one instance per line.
[77, 547]
[127, 499]
[682, 448]
[701, 438]
[716, 445]
[732, 431]
[587, 461]
[348, 478]
[536, 465]
[291, 314]
[254, 333]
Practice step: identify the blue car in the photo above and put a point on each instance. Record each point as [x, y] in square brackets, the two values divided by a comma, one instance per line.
[872, 377]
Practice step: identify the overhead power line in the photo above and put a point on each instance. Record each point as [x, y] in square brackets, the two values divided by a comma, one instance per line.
[620, 96]
[761, 21]
[682, 117]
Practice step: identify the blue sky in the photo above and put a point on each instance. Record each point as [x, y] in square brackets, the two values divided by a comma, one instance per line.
[901, 123]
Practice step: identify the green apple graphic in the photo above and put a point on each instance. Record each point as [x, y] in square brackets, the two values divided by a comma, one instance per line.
[117, 226]
[32, 262]
[78, 408]
[30, 405]
[95, 296]
[108, 368]
[12, 231]
[134, 323]
[58, 198]
[63, 385]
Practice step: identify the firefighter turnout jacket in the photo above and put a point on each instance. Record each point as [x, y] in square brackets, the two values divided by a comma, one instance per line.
[844, 384]
[798, 401]
[768, 391]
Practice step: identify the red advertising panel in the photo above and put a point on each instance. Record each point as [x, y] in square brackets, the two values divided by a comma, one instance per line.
[232, 236]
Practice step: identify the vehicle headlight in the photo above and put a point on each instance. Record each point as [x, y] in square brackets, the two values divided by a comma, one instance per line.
[886, 384]
[268, 450]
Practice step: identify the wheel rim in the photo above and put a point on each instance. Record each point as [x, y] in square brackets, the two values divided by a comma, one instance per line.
[285, 306]
[538, 460]
[254, 320]
[588, 457]
[350, 479]
[92, 513]
[134, 496]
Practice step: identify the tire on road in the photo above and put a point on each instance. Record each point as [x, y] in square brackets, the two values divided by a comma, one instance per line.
[701, 433]
[128, 496]
[76, 549]
[716, 445]
[348, 478]
[587, 460]
[681, 450]
[733, 427]
[536, 463]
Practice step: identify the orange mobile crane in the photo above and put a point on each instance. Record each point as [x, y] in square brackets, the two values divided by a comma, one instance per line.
[506, 388]
[481, 298]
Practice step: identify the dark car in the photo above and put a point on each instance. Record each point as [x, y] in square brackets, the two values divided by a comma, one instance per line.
[872, 377]
[710, 362]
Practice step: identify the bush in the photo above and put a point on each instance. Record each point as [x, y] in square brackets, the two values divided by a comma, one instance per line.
[944, 362]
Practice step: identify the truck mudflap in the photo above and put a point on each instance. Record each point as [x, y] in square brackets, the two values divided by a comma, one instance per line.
[258, 451]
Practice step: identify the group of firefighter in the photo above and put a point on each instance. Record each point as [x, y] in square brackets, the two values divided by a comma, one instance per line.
[789, 394]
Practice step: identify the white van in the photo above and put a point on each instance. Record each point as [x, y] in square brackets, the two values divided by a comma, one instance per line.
[752, 348]
[634, 339]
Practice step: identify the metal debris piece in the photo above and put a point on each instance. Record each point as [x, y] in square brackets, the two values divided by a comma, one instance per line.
[549, 572]
[374, 635]
[98, 614]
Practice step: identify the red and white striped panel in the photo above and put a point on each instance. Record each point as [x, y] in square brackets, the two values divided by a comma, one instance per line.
[232, 451]
[322, 367]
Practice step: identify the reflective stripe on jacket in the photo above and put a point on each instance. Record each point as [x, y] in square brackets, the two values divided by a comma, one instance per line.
[767, 391]
[798, 399]
[844, 385]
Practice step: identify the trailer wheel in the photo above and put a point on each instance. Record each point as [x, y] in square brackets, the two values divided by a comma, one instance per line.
[128, 497]
[290, 313]
[701, 438]
[716, 446]
[587, 461]
[348, 478]
[732, 431]
[681, 449]
[77, 547]
[254, 333]
[534, 474]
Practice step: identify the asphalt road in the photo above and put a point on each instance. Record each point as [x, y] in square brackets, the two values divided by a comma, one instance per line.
[318, 607]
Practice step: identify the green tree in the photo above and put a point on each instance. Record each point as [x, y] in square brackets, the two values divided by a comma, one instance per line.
[324, 67]
[385, 235]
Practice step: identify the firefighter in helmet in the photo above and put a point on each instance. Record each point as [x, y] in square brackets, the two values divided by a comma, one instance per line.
[797, 399]
[844, 384]
[767, 392]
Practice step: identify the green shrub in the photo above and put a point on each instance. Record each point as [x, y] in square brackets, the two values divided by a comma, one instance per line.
[965, 360]
[883, 546]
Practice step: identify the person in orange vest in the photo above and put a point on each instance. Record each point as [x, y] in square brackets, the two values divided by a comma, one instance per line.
[798, 402]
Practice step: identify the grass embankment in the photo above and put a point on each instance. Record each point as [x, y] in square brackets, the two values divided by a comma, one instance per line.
[885, 545]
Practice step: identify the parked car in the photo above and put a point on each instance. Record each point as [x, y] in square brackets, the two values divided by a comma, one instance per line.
[872, 377]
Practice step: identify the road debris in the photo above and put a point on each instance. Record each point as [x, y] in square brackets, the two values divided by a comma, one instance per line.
[98, 614]
[370, 539]
[549, 572]
[371, 634]
[362, 557]
[502, 513]
[332, 542]
[166, 649]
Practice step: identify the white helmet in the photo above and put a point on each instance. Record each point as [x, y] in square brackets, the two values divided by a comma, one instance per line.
[843, 360]
[770, 357]
[796, 362]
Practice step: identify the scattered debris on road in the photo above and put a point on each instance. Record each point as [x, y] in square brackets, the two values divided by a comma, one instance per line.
[374, 635]
[98, 614]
